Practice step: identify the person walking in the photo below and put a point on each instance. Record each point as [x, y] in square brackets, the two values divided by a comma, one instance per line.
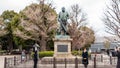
[23, 56]
[35, 59]
[85, 58]
[118, 57]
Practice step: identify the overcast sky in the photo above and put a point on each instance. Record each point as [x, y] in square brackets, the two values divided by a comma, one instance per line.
[93, 8]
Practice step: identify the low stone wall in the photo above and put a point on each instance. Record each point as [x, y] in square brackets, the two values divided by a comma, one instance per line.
[51, 60]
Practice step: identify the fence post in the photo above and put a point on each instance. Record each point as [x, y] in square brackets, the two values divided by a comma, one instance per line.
[65, 63]
[76, 62]
[14, 60]
[101, 58]
[21, 59]
[26, 58]
[5, 62]
[110, 59]
[95, 62]
[54, 62]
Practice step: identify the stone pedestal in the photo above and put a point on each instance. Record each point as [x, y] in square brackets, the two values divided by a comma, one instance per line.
[62, 46]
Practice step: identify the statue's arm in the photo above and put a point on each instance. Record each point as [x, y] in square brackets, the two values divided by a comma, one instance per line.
[59, 17]
[67, 15]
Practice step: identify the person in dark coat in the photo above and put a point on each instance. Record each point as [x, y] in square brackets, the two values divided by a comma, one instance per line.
[108, 52]
[85, 58]
[35, 59]
[118, 57]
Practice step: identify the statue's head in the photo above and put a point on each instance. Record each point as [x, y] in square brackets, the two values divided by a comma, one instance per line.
[63, 9]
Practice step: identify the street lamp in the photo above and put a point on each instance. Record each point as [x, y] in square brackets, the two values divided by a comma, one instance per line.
[2, 27]
[36, 46]
[6, 20]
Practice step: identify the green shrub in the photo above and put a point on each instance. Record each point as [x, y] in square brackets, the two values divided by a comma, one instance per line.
[46, 54]
[2, 51]
[79, 53]
[32, 54]
[74, 53]
[89, 54]
[51, 53]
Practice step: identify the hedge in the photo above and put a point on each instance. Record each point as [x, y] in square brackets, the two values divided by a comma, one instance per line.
[79, 53]
[2, 52]
[46, 53]
[51, 53]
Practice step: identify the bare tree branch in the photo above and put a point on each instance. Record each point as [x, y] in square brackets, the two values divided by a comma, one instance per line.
[81, 35]
[112, 18]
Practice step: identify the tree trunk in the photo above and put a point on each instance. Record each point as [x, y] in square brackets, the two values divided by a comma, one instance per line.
[0, 47]
[10, 42]
[10, 45]
[43, 44]
[73, 47]
[20, 48]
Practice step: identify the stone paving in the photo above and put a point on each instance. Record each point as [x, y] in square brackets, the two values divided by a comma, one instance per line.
[29, 64]
[2, 59]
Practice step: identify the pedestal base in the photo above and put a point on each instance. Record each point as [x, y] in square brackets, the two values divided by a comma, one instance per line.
[62, 46]
[60, 60]
[63, 55]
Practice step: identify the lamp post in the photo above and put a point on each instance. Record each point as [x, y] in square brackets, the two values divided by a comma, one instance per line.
[3, 26]
[7, 23]
[36, 55]
[6, 20]
[36, 48]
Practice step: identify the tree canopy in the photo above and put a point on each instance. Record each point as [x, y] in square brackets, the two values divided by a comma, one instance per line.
[38, 21]
[81, 34]
[7, 25]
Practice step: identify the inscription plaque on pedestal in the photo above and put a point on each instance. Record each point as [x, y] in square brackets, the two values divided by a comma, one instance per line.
[62, 48]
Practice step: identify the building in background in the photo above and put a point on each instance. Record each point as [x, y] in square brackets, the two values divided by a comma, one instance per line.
[99, 45]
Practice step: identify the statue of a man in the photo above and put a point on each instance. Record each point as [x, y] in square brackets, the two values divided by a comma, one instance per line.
[62, 18]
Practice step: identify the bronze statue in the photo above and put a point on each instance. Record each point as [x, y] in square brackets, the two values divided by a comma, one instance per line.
[62, 18]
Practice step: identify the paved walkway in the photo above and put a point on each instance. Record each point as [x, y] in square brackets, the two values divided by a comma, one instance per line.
[29, 64]
[2, 59]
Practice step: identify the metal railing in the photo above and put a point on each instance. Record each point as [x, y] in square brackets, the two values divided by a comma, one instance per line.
[65, 62]
[11, 62]
[101, 60]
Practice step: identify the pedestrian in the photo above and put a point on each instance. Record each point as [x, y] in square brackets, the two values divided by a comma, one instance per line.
[35, 59]
[23, 56]
[108, 52]
[118, 57]
[85, 58]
